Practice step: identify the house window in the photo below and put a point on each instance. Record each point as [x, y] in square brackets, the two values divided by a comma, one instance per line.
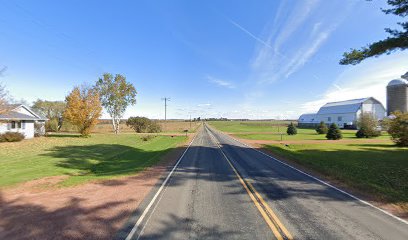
[15, 125]
[339, 119]
[329, 119]
[23, 124]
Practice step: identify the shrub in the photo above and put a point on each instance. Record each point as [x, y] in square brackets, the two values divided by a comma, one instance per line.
[11, 137]
[322, 128]
[147, 137]
[291, 129]
[367, 125]
[143, 125]
[398, 128]
[334, 132]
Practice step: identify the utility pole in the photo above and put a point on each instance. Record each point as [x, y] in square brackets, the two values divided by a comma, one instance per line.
[190, 120]
[165, 99]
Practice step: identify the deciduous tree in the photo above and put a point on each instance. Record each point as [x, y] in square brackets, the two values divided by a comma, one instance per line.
[116, 95]
[367, 126]
[398, 39]
[398, 128]
[3, 99]
[83, 109]
[143, 125]
[53, 110]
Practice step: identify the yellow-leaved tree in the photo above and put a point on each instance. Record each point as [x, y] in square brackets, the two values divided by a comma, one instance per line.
[83, 109]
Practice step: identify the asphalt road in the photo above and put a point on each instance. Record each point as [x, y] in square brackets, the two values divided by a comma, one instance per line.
[223, 189]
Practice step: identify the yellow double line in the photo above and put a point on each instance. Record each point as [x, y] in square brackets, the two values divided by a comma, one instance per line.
[278, 229]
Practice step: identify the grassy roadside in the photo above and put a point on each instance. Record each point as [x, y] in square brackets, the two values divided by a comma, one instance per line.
[81, 160]
[375, 168]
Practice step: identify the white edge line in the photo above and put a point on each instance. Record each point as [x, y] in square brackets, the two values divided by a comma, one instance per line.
[323, 182]
[139, 221]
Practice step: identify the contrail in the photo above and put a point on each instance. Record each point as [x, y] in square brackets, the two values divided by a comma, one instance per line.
[249, 33]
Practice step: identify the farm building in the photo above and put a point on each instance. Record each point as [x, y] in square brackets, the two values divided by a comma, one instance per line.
[397, 96]
[20, 118]
[344, 113]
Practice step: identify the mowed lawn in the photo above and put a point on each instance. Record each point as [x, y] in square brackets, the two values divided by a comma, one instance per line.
[376, 167]
[379, 169]
[303, 134]
[80, 159]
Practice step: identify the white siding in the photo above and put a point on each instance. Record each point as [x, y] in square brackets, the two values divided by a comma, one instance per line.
[346, 118]
[28, 131]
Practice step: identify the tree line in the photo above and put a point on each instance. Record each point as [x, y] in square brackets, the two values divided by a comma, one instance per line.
[84, 104]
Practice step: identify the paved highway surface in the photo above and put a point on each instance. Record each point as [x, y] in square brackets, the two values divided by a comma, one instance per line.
[223, 189]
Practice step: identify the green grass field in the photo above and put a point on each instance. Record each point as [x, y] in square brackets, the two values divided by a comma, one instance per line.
[250, 126]
[379, 169]
[81, 159]
[303, 134]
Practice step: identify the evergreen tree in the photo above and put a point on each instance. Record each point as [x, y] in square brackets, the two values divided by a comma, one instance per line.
[322, 128]
[334, 132]
[397, 39]
[291, 129]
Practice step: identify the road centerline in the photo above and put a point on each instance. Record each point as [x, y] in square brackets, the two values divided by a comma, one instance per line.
[278, 229]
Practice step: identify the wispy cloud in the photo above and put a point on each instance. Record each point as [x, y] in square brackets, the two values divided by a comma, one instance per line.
[362, 81]
[220, 82]
[288, 54]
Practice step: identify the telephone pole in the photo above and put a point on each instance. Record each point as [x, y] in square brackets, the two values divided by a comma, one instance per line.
[165, 99]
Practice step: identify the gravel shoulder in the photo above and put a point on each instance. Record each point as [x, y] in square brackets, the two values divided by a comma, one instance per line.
[97, 210]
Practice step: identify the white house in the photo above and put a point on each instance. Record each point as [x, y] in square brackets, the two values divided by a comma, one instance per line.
[20, 118]
[344, 113]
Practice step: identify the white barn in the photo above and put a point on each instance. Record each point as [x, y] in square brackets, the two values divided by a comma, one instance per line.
[344, 113]
[20, 118]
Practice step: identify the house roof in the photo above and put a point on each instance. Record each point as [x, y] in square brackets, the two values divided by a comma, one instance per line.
[348, 106]
[12, 114]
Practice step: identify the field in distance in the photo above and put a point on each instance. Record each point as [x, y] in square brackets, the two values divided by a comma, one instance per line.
[170, 127]
[374, 167]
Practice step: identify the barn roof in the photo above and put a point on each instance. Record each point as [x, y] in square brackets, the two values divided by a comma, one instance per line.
[309, 118]
[348, 106]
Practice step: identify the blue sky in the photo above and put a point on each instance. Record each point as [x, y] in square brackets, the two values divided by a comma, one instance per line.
[236, 59]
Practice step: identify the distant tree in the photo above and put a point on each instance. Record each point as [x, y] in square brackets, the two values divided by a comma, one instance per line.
[116, 95]
[367, 126]
[398, 128]
[143, 125]
[53, 110]
[83, 109]
[3, 99]
[291, 129]
[334, 132]
[322, 128]
[398, 39]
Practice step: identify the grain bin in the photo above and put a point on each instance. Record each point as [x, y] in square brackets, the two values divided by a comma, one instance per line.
[397, 96]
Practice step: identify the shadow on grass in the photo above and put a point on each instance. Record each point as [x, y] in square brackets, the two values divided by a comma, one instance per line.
[369, 167]
[63, 135]
[104, 159]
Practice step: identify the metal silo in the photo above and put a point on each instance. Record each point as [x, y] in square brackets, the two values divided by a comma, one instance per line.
[397, 96]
